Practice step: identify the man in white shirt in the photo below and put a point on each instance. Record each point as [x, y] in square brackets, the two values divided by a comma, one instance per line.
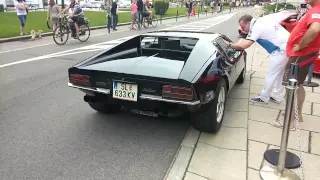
[273, 38]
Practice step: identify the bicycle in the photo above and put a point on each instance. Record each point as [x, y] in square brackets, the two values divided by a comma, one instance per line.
[147, 21]
[65, 27]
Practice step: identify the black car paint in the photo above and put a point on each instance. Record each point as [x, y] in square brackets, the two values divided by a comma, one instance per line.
[217, 63]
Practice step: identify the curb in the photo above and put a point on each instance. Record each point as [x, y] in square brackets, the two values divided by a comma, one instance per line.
[18, 38]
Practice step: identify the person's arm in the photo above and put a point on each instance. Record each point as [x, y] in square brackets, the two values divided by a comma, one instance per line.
[64, 10]
[74, 10]
[313, 31]
[253, 36]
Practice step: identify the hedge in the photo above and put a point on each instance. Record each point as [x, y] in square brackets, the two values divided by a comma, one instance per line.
[161, 5]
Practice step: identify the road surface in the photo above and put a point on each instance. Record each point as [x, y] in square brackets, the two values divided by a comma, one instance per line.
[48, 132]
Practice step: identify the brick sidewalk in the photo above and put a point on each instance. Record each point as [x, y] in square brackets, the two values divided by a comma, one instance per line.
[236, 152]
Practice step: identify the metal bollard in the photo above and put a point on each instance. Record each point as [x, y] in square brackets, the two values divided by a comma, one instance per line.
[177, 15]
[285, 159]
[310, 74]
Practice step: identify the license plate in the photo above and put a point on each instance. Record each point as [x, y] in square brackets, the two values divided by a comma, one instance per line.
[125, 91]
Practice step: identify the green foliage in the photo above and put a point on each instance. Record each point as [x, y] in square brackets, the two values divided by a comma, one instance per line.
[161, 5]
[271, 8]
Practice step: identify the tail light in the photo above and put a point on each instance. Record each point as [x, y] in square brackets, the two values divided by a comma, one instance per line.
[79, 79]
[176, 92]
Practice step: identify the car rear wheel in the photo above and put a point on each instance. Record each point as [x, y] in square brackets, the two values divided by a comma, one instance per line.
[210, 117]
[105, 107]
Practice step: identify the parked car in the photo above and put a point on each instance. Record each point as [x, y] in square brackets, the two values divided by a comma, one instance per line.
[164, 73]
[289, 21]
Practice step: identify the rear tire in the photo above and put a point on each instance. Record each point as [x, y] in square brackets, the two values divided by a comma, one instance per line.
[210, 116]
[105, 108]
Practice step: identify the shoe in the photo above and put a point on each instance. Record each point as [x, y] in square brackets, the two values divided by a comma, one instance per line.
[257, 100]
[274, 100]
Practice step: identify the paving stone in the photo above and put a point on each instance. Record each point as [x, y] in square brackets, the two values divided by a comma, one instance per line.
[263, 114]
[315, 109]
[258, 68]
[268, 134]
[256, 151]
[308, 89]
[244, 85]
[316, 90]
[257, 81]
[253, 174]
[256, 89]
[311, 165]
[235, 119]
[191, 176]
[259, 74]
[315, 143]
[312, 97]
[236, 104]
[215, 163]
[239, 93]
[310, 123]
[306, 109]
[228, 138]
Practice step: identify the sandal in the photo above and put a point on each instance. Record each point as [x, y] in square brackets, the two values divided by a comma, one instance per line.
[279, 125]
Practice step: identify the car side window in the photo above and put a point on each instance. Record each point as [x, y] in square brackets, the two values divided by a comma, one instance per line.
[228, 50]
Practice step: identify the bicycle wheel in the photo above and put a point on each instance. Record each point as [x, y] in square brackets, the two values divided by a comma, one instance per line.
[145, 23]
[83, 31]
[59, 32]
[154, 21]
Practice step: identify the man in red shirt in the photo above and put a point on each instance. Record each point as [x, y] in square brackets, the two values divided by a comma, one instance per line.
[303, 48]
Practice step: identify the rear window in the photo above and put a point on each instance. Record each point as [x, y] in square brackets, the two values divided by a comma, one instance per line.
[167, 47]
[169, 43]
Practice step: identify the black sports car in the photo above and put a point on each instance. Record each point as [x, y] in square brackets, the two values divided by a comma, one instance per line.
[163, 73]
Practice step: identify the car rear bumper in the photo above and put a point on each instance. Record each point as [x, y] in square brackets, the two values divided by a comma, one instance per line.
[89, 90]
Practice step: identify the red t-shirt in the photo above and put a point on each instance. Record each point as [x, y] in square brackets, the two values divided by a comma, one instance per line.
[313, 15]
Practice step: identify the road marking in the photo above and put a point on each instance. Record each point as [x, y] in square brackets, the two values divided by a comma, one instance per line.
[110, 44]
[94, 47]
[203, 24]
[35, 46]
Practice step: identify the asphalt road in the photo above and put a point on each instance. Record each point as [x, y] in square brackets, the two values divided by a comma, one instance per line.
[48, 132]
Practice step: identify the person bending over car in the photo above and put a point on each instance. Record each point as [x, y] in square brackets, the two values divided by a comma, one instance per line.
[76, 15]
[273, 38]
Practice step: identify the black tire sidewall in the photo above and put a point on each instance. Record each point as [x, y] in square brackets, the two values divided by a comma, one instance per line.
[205, 119]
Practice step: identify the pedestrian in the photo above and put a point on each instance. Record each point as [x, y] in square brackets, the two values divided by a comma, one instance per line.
[273, 38]
[53, 13]
[114, 12]
[134, 10]
[22, 11]
[140, 11]
[108, 14]
[303, 48]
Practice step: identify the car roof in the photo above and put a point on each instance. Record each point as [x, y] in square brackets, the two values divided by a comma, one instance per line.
[187, 34]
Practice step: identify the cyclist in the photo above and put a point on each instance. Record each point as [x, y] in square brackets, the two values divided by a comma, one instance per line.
[189, 8]
[146, 12]
[76, 15]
